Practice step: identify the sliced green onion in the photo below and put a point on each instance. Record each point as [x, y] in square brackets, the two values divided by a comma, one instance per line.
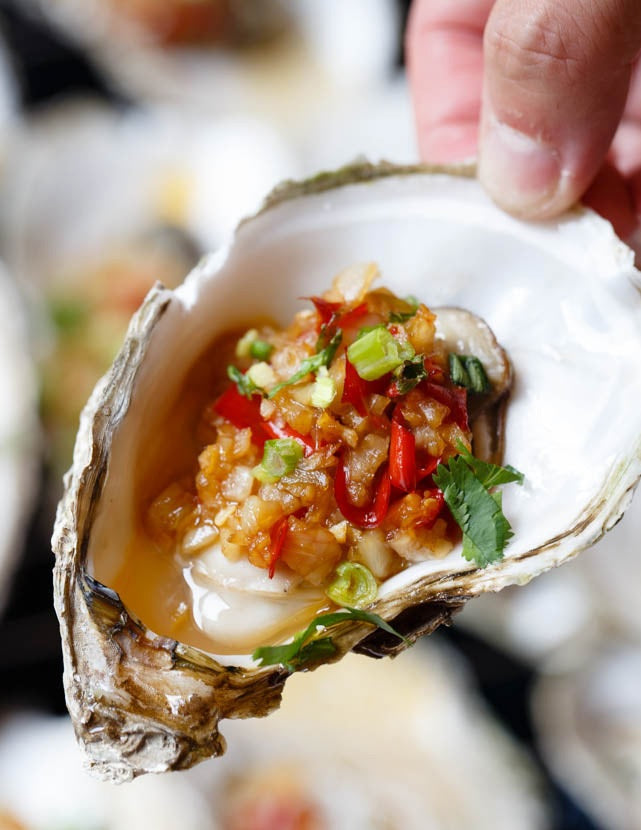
[478, 378]
[354, 585]
[244, 344]
[374, 354]
[366, 329]
[458, 372]
[280, 457]
[324, 390]
[468, 371]
[260, 349]
[406, 350]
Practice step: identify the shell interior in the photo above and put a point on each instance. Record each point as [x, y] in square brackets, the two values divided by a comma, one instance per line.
[561, 298]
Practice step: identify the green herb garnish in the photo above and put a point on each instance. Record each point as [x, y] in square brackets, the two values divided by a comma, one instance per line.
[468, 371]
[464, 482]
[280, 457]
[490, 475]
[375, 353]
[244, 384]
[312, 364]
[306, 649]
[409, 374]
[260, 349]
[354, 586]
[404, 316]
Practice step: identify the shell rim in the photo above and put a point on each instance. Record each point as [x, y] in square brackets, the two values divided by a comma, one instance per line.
[83, 490]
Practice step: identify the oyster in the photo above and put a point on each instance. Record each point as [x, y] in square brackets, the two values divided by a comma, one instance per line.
[560, 297]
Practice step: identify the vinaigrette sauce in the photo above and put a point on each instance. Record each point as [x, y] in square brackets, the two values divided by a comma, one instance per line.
[151, 582]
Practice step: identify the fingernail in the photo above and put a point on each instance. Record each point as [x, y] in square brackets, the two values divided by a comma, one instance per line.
[521, 174]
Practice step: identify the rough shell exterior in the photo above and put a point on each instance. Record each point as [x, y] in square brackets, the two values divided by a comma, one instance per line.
[141, 703]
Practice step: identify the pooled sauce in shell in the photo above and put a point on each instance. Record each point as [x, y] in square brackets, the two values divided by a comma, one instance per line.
[267, 486]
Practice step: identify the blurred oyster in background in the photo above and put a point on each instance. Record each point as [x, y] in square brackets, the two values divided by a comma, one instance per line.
[97, 206]
[19, 440]
[565, 613]
[581, 626]
[588, 719]
[38, 757]
[294, 81]
[405, 745]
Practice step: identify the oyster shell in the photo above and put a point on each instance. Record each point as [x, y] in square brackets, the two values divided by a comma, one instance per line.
[560, 297]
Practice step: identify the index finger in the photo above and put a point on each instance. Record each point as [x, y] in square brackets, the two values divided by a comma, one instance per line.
[444, 48]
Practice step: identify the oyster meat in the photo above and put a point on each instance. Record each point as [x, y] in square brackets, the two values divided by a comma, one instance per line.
[561, 297]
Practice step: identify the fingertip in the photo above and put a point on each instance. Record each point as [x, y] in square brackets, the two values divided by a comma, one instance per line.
[555, 84]
[445, 70]
[522, 174]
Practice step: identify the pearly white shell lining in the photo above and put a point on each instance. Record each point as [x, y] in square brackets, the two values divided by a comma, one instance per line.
[559, 297]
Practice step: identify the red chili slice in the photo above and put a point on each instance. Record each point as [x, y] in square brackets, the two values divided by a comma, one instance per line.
[327, 312]
[426, 468]
[428, 517]
[434, 371]
[402, 454]
[279, 429]
[455, 399]
[372, 514]
[350, 318]
[242, 412]
[277, 536]
[354, 389]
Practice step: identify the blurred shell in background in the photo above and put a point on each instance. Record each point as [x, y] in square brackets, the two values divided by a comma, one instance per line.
[97, 206]
[581, 626]
[405, 745]
[564, 614]
[302, 52]
[19, 437]
[588, 720]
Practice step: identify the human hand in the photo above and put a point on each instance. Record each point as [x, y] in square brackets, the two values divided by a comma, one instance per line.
[547, 91]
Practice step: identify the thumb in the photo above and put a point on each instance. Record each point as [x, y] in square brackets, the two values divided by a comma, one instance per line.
[556, 78]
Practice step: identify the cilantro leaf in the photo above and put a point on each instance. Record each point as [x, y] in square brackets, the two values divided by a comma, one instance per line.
[306, 649]
[312, 364]
[464, 482]
[490, 475]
